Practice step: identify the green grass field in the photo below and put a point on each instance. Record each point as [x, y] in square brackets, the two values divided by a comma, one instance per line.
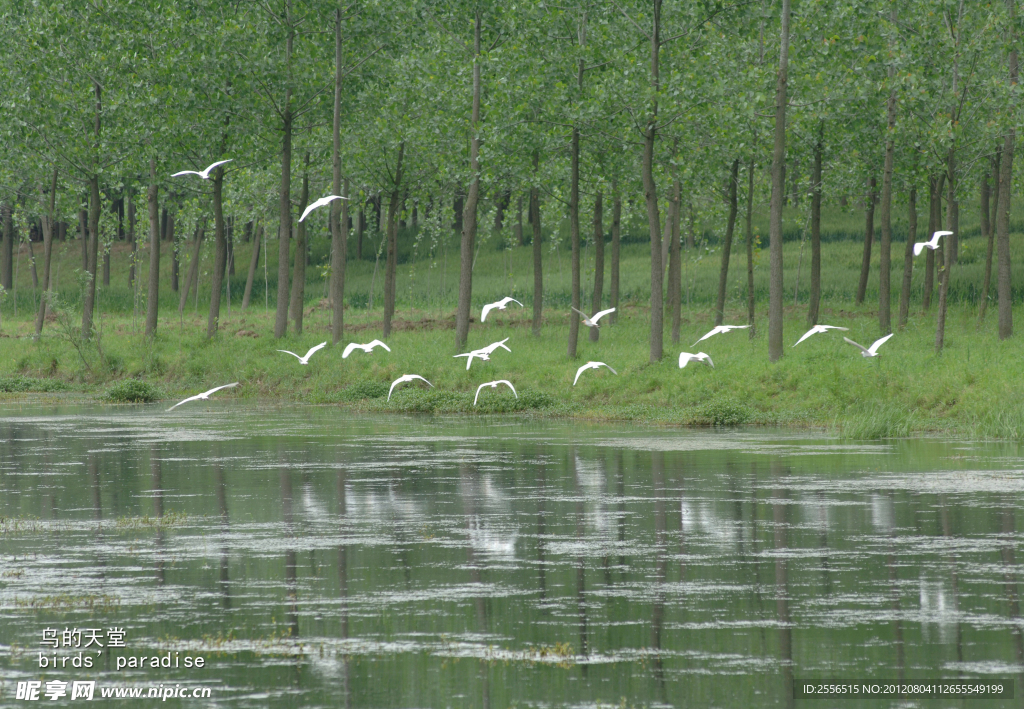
[970, 390]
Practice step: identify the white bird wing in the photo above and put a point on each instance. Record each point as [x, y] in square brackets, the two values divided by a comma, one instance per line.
[394, 384]
[712, 331]
[487, 308]
[310, 208]
[834, 327]
[464, 354]
[734, 327]
[919, 247]
[602, 364]
[312, 350]
[878, 343]
[223, 386]
[378, 343]
[706, 356]
[292, 354]
[510, 299]
[206, 173]
[507, 382]
[478, 391]
[186, 172]
[416, 376]
[808, 334]
[580, 371]
[684, 359]
[185, 401]
[587, 317]
[598, 316]
[856, 344]
[939, 234]
[348, 349]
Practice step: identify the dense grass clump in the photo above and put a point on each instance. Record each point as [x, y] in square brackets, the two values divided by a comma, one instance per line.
[18, 384]
[133, 391]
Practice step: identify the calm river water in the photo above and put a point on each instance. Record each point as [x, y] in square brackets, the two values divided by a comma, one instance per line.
[314, 558]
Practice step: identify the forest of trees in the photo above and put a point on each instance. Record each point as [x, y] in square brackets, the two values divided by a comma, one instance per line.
[469, 115]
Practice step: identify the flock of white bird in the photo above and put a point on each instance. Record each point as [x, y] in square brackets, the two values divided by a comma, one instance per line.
[485, 353]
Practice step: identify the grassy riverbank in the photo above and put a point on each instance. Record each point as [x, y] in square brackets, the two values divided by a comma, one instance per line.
[971, 390]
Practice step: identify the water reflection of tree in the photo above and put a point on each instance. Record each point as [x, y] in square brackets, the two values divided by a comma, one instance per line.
[467, 487]
[157, 488]
[343, 584]
[581, 563]
[225, 528]
[290, 555]
[780, 520]
[951, 562]
[660, 567]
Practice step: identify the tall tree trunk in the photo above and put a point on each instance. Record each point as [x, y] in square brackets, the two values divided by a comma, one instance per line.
[934, 224]
[254, 263]
[908, 258]
[133, 242]
[153, 295]
[675, 262]
[192, 277]
[298, 294]
[469, 214]
[1005, 188]
[538, 271]
[360, 228]
[48, 225]
[651, 195]
[220, 258]
[869, 236]
[574, 237]
[723, 273]
[775, 286]
[83, 229]
[229, 238]
[390, 267]
[885, 248]
[175, 262]
[89, 302]
[339, 213]
[285, 207]
[815, 297]
[952, 223]
[613, 286]
[595, 302]
[749, 234]
[988, 229]
[7, 249]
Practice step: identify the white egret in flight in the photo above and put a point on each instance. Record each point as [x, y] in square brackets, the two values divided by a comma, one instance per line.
[305, 359]
[205, 174]
[204, 395]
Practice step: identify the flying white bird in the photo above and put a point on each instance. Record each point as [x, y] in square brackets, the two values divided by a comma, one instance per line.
[204, 395]
[720, 329]
[319, 203]
[405, 378]
[592, 321]
[493, 346]
[305, 359]
[479, 354]
[819, 328]
[205, 174]
[590, 365]
[933, 244]
[870, 351]
[685, 358]
[494, 385]
[368, 347]
[499, 305]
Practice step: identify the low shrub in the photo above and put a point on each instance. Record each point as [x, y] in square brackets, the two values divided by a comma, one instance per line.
[133, 391]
